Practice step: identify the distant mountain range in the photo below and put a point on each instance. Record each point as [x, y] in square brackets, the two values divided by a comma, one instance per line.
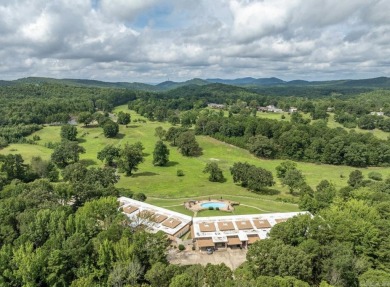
[248, 82]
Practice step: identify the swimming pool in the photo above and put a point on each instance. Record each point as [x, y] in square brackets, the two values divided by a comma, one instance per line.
[213, 204]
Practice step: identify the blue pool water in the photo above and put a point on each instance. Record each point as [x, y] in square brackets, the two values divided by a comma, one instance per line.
[213, 204]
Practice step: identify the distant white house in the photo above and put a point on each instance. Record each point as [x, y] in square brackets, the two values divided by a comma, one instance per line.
[381, 114]
[216, 106]
[292, 110]
[262, 109]
[273, 109]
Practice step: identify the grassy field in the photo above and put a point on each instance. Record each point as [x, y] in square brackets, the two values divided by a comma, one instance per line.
[331, 123]
[164, 188]
[378, 133]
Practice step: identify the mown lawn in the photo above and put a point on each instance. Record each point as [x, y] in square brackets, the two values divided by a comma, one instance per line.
[164, 188]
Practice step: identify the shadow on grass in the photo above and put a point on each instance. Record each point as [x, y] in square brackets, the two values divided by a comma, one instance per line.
[172, 163]
[81, 140]
[87, 162]
[268, 191]
[146, 173]
[133, 126]
[120, 136]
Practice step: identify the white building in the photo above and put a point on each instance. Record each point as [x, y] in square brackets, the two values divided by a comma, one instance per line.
[217, 232]
[273, 109]
[216, 106]
[155, 218]
[381, 114]
[220, 232]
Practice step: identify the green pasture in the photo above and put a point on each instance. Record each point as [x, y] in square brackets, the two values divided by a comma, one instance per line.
[378, 133]
[164, 188]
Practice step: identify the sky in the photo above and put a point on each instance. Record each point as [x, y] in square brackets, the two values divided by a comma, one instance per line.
[157, 40]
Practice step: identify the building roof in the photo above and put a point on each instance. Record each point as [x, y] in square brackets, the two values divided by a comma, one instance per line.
[154, 217]
[130, 209]
[234, 240]
[158, 218]
[261, 223]
[244, 224]
[205, 242]
[146, 214]
[207, 226]
[225, 225]
[217, 228]
[253, 239]
[241, 226]
[171, 222]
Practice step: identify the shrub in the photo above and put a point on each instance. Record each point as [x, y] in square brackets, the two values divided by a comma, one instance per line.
[139, 196]
[36, 138]
[180, 172]
[181, 247]
[125, 192]
[217, 208]
[374, 175]
[211, 208]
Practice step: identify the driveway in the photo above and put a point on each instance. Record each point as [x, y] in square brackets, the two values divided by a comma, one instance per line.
[231, 257]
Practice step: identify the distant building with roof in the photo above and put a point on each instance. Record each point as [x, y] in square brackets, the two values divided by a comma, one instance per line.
[216, 106]
[270, 109]
[381, 114]
[273, 109]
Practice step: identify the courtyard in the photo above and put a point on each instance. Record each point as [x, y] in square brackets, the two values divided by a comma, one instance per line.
[231, 257]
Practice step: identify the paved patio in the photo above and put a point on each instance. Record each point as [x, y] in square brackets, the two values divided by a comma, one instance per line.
[231, 257]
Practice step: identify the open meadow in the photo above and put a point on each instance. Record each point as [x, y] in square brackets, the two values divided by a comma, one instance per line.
[164, 188]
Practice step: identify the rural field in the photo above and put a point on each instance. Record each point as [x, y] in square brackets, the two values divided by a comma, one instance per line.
[164, 188]
[331, 123]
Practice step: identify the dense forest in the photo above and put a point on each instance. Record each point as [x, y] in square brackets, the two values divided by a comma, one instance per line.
[59, 220]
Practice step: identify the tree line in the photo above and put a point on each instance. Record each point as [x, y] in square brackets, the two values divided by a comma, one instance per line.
[296, 140]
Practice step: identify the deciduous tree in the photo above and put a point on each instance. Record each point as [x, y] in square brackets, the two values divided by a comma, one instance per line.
[215, 173]
[129, 158]
[85, 118]
[123, 118]
[160, 154]
[108, 154]
[188, 146]
[110, 129]
[69, 132]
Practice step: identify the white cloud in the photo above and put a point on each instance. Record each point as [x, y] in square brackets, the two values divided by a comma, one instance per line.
[125, 9]
[152, 40]
[255, 20]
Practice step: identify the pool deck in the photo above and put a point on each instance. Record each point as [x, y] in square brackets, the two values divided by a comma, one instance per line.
[196, 205]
